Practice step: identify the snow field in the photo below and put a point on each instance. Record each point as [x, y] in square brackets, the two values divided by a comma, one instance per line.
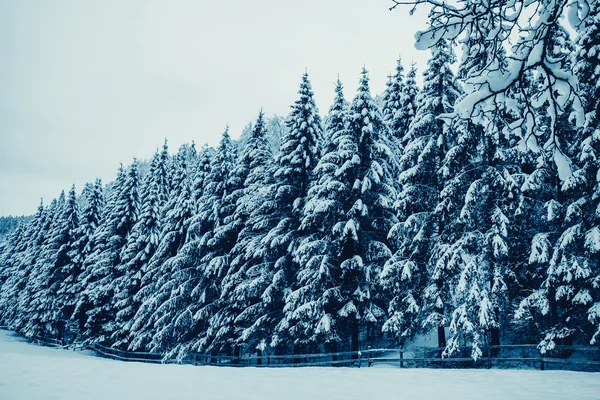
[30, 372]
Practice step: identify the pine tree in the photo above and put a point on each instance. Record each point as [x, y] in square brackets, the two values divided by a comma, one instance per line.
[550, 293]
[220, 242]
[205, 254]
[36, 300]
[59, 273]
[14, 297]
[479, 209]
[310, 312]
[140, 247]
[587, 68]
[202, 169]
[255, 164]
[367, 213]
[12, 249]
[408, 106]
[100, 268]
[394, 104]
[428, 139]
[81, 247]
[477, 213]
[387, 112]
[154, 292]
[335, 120]
[173, 319]
[566, 295]
[276, 221]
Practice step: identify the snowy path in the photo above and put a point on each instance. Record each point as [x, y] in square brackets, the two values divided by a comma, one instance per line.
[32, 372]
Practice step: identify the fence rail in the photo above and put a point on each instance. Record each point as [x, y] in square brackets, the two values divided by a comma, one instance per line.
[403, 358]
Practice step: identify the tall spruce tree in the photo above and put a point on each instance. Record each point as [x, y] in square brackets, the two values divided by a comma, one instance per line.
[256, 165]
[36, 307]
[428, 139]
[60, 274]
[14, 296]
[587, 68]
[367, 213]
[311, 309]
[277, 221]
[408, 106]
[80, 249]
[141, 245]
[153, 293]
[205, 254]
[568, 249]
[110, 238]
[477, 214]
[393, 105]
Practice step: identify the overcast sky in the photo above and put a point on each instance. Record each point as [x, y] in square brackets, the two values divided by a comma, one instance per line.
[85, 85]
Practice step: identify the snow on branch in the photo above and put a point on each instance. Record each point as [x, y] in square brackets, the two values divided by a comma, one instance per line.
[512, 41]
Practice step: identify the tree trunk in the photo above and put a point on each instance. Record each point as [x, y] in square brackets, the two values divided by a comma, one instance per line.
[495, 334]
[440, 311]
[296, 351]
[259, 360]
[354, 339]
[237, 352]
[441, 336]
[334, 349]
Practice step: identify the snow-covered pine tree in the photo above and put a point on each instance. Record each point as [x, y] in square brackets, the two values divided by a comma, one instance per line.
[386, 108]
[203, 260]
[59, 274]
[14, 247]
[140, 247]
[335, 119]
[10, 245]
[562, 293]
[479, 209]
[311, 309]
[109, 239]
[427, 140]
[367, 214]
[393, 105]
[256, 166]
[201, 170]
[14, 297]
[275, 223]
[408, 106]
[172, 320]
[587, 68]
[162, 174]
[81, 248]
[154, 292]
[36, 301]
[209, 252]
[543, 210]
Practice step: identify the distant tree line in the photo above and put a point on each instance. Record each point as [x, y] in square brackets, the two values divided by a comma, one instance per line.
[10, 223]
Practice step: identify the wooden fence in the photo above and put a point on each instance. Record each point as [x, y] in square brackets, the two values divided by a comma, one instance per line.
[502, 356]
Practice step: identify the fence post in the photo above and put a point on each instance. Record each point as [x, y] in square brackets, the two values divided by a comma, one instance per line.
[359, 358]
[401, 354]
[490, 357]
[542, 366]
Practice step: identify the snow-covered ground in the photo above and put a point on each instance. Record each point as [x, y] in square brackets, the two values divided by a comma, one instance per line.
[32, 372]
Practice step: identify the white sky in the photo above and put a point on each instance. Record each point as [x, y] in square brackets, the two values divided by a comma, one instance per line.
[85, 85]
